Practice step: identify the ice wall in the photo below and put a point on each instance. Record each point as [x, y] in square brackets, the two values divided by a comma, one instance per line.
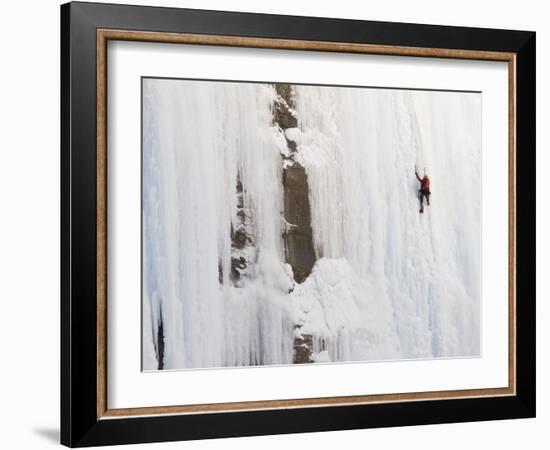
[360, 147]
[198, 137]
[388, 282]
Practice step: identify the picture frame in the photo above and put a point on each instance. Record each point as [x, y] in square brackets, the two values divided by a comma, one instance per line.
[86, 29]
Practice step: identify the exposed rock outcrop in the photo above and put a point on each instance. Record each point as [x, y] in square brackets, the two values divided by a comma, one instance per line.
[242, 237]
[298, 235]
[303, 348]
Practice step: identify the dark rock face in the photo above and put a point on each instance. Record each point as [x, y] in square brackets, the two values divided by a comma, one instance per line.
[283, 112]
[298, 235]
[302, 349]
[238, 266]
[238, 238]
[241, 238]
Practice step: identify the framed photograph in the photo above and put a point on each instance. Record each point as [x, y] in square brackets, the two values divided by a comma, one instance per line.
[276, 224]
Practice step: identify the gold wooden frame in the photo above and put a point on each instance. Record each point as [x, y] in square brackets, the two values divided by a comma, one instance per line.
[103, 36]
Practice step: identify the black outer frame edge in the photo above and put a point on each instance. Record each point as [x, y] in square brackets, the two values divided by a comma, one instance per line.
[232, 23]
[65, 334]
[79, 426]
[526, 223]
[301, 420]
[79, 293]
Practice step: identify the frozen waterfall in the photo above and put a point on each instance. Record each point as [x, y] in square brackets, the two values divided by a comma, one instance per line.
[387, 282]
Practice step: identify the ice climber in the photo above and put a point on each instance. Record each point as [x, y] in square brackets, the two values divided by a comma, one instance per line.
[424, 190]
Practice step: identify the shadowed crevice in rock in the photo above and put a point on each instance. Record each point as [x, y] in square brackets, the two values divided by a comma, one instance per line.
[159, 341]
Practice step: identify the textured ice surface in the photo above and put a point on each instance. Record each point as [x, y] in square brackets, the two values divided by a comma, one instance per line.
[388, 283]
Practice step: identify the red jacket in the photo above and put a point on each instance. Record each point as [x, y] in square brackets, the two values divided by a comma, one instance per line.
[424, 182]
